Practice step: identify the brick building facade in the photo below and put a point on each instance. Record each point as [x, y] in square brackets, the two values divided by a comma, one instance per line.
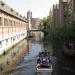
[13, 27]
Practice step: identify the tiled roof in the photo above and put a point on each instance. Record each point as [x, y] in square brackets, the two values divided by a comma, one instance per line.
[4, 7]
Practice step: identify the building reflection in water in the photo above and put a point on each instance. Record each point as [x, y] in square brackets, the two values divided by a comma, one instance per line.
[29, 46]
[38, 36]
[14, 56]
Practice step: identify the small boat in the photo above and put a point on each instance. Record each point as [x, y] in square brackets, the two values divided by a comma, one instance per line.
[44, 62]
[42, 69]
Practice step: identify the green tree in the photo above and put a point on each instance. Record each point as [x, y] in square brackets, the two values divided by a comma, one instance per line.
[59, 37]
[47, 23]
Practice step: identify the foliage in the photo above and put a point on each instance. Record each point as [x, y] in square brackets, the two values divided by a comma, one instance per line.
[63, 36]
[47, 22]
[58, 36]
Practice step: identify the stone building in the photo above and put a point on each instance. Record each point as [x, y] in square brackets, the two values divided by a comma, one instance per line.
[36, 22]
[60, 13]
[33, 21]
[29, 14]
[71, 10]
[12, 27]
[56, 15]
[29, 17]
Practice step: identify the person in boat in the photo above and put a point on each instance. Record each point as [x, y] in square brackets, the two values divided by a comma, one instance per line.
[45, 60]
[38, 62]
[44, 63]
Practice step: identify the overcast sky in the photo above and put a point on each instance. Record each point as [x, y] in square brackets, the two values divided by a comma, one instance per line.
[39, 8]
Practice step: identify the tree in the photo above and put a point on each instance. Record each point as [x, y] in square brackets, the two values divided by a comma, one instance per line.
[59, 37]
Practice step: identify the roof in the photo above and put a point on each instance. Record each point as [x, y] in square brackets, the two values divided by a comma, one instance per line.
[5, 8]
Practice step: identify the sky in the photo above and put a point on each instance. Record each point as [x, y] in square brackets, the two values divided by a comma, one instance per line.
[39, 8]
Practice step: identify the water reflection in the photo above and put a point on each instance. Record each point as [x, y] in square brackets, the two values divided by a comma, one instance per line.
[27, 65]
[64, 66]
[21, 59]
[38, 37]
[13, 56]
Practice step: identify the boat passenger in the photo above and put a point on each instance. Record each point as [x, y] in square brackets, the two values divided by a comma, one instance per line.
[38, 60]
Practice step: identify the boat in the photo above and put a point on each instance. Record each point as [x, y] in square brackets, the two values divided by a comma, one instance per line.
[43, 62]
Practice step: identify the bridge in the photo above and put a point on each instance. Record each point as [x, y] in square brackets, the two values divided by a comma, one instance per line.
[34, 30]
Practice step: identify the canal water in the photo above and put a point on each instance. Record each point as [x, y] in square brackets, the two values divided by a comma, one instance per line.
[21, 59]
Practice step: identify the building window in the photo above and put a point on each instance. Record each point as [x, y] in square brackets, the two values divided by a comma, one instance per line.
[0, 21]
[13, 38]
[11, 10]
[14, 23]
[2, 4]
[5, 22]
[17, 13]
[17, 36]
[6, 41]
[10, 22]
[0, 43]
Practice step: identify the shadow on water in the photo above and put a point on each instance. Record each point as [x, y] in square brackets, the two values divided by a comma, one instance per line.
[64, 66]
[62, 63]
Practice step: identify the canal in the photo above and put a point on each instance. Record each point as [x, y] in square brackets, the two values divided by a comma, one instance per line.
[21, 59]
